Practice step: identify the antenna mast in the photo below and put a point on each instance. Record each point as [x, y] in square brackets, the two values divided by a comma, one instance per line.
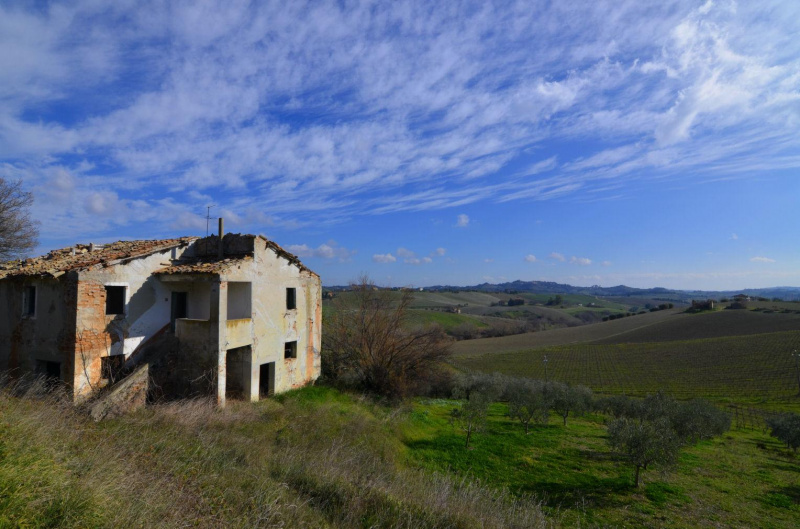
[208, 216]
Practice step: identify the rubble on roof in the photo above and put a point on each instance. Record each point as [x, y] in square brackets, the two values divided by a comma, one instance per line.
[82, 256]
[204, 265]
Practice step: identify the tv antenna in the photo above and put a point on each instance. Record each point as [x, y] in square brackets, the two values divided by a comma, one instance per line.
[208, 216]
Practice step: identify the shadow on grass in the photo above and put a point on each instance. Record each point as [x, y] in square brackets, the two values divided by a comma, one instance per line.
[494, 464]
[582, 490]
[783, 498]
[792, 492]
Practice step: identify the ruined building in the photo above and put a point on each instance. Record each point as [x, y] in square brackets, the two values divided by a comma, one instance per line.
[235, 316]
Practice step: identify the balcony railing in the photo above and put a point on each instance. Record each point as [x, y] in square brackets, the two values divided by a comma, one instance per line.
[238, 333]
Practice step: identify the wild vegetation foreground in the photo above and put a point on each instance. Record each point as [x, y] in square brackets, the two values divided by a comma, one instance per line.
[321, 458]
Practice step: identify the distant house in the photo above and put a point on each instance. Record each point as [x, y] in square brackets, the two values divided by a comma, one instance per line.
[707, 304]
[236, 316]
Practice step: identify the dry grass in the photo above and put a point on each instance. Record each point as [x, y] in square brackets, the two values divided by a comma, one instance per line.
[314, 458]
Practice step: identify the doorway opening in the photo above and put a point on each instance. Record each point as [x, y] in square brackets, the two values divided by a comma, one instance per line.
[266, 381]
[235, 371]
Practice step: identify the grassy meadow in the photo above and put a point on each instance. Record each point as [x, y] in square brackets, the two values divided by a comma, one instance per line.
[317, 457]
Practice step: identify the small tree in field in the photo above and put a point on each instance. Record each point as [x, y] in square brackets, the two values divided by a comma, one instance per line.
[566, 399]
[471, 415]
[368, 342]
[644, 442]
[528, 402]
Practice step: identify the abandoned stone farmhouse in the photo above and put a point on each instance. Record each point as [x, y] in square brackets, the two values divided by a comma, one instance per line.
[233, 316]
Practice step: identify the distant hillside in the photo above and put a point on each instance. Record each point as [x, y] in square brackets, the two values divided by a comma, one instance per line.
[657, 293]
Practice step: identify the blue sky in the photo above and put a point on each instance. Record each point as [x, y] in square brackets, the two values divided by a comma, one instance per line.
[639, 143]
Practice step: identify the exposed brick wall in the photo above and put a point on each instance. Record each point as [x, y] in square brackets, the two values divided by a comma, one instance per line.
[92, 339]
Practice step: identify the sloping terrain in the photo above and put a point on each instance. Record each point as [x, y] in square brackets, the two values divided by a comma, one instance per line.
[709, 325]
[584, 333]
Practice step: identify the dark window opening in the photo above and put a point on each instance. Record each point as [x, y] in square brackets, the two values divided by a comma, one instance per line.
[179, 308]
[51, 371]
[291, 298]
[115, 300]
[29, 301]
[290, 350]
[266, 381]
[111, 367]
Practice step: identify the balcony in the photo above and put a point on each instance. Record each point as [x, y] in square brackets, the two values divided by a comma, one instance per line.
[239, 332]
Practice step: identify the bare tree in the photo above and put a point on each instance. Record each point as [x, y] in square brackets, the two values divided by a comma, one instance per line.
[18, 233]
[368, 342]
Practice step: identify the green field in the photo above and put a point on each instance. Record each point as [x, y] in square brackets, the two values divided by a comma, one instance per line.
[724, 482]
[447, 320]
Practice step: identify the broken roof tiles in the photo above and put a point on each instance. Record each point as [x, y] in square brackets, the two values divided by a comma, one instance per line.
[82, 256]
[204, 265]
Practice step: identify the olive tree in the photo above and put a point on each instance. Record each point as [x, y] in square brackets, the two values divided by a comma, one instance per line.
[471, 414]
[786, 427]
[566, 399]
[18, 233]
[528, 402]
[644, 442]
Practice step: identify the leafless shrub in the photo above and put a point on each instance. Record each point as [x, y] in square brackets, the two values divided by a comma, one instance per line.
[366, 343]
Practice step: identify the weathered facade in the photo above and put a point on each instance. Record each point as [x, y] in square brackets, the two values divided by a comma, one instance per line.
[241, 318]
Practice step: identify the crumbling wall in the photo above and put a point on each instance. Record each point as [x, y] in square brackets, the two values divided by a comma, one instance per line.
[127, 396]
[26, 339]
[233, 244]
[98, 335]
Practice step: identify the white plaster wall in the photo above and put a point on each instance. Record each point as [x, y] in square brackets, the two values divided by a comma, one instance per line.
[274, 325]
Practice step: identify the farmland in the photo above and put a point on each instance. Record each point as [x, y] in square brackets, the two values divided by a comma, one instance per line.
[585, 333]
[745, 367]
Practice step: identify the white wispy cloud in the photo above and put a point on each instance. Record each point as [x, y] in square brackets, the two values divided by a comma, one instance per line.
[462, 221]
[762, 260]
[384, 258]
[318, 111]
[530, 258]
[557, 257]
[329, 250]
[583, 261]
